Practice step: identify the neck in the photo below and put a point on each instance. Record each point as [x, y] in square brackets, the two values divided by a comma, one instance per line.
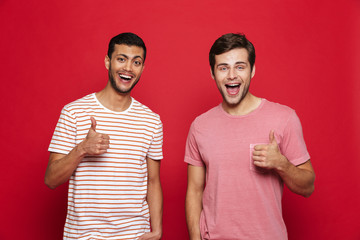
[246, 106]
[113, 100]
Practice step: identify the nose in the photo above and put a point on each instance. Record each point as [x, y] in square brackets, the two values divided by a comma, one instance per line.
[128, 66]
[232, 74]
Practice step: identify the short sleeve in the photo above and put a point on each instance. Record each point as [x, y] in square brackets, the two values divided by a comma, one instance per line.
[192, 153]
[155, 149]
[293, 146]
[64, 137]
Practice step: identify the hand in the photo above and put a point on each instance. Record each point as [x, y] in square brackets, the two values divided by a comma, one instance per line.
[268, 156]
[95, 143]
[150, 236]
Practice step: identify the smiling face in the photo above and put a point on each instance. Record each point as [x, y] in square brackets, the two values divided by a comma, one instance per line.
[125, 67]
[232, 74]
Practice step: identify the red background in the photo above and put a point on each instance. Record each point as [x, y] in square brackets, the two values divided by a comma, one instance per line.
[52, 52]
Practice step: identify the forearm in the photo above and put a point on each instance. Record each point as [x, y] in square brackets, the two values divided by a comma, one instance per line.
[299, 180]
[193, 201]
[193, 208]
[60, 168]
[155, 202]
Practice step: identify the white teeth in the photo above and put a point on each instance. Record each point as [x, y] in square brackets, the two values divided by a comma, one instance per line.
[125, 76]
[232, 85]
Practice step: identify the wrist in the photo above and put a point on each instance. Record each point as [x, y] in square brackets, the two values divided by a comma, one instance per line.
[81, 149]
[194, 234]
[157, 234]
[284, 164]
[195, 237]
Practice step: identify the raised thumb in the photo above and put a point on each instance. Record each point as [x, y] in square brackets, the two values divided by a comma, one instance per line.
[272, 137]
[93, 123]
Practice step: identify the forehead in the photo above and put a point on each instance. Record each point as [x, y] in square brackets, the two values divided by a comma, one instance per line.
[233, 56]
[129, 51]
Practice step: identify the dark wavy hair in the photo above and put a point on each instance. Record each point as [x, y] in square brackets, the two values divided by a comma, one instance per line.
[127, 38]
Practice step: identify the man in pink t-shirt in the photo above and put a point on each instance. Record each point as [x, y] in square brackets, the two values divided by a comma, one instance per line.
[244, 149]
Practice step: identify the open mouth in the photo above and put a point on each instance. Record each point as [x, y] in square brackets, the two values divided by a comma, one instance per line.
[232, 88]
[125, 77]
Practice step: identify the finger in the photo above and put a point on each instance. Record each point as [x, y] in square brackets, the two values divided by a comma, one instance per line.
[105, 141]
[258, 153]
[272, 137]
[105, 136]
[260, 147]
[258, 163]
[258, 158]
[101, 140]
[100, 151]
[104, 146]
[93, 123]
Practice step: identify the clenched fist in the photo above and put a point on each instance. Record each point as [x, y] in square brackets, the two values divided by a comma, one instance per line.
[95, 143]
[268, 156]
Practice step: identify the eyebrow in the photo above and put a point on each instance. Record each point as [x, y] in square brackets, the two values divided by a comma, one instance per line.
[127, 57]
[222, 64]
[226, 64]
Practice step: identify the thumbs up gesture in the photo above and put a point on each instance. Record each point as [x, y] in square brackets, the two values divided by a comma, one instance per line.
[268, 155]
[95, 143]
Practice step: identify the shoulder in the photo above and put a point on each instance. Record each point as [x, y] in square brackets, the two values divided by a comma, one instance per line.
[142, 111]
[209, 117]
[80, 103]
[277, 106]
[281, 114]
[277, 109]
[76, 108]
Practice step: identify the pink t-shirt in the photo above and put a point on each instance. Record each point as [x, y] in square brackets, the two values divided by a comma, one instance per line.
[241, 201]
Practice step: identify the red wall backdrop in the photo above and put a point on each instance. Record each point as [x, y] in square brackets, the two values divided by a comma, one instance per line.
[52, 52]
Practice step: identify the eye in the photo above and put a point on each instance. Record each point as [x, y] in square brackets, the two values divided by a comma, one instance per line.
[240, 67]
[137, 63]
[120, 59]
[222, 68]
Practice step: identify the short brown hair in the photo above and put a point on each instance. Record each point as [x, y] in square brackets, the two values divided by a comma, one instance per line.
[229, 42]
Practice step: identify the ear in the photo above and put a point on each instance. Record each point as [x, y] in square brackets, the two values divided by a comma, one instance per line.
[212, 75]
[253, 72]
[107, 62]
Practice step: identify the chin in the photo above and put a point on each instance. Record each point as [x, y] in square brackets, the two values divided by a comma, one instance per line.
[232, 101]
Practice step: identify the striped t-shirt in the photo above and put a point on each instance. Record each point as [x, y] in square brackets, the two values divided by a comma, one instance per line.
[107, 193]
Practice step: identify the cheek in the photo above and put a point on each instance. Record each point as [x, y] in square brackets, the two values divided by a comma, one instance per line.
[219, 77]
[139, 70]
[219, 84]
[117, 64]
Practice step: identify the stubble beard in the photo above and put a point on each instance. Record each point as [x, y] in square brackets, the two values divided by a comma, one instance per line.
[116, 88]
[233, 104]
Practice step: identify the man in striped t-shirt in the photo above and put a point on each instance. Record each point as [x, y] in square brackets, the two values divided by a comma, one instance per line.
[109, 147]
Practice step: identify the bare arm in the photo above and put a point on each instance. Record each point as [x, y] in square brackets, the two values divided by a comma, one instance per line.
[61, 166]
[155, 200]
[299, 179]
[193, 201]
